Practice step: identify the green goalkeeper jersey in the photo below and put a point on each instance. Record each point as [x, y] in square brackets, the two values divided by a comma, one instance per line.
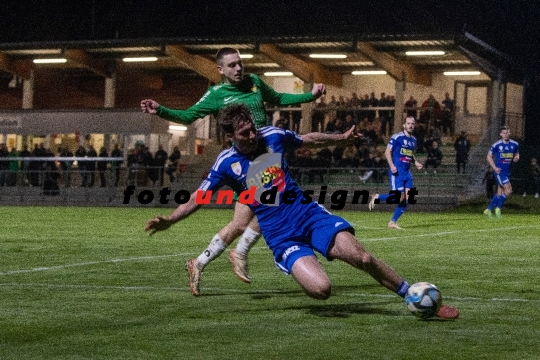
[251, 91]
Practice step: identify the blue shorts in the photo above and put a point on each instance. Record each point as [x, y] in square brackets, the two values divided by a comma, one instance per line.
[502, 179]
[315, 232]
[400, 182]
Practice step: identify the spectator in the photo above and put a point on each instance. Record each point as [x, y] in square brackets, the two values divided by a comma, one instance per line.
[350, 157]
[115, 165]
[375, 166]
[383, 115]
[65, 165]
[147, 170]
[24, 165]
[317, 119]
[434, 157]
[4, 165]
[431, 111]
[296, 117]
[102, 166]
[174, 158]
[81, 153]
[373, 102]
[13, 168]
[410, 107]
[160, 158]
[534, 176]
[91, 165]
[447, 115]
[490, 181]
[462, 145]
[420, 135]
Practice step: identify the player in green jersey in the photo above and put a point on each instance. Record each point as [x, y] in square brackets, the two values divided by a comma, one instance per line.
[250, 90]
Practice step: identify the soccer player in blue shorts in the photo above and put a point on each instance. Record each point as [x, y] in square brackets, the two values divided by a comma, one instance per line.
[293, 226]
[399, 154]
[500, 157]
[236, 88]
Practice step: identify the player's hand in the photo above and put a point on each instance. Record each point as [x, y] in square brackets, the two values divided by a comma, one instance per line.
[318, 90]
[159, 223]
[149, 106]
[351, 134]
[418, 165]
[497, 170]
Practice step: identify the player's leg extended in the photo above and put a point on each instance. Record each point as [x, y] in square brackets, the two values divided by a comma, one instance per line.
[348, 249]
[378, 198]
[310, 275]
[251, 234]
[217, 245]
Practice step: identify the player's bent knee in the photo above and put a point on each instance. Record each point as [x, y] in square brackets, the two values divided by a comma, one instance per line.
[320, 293]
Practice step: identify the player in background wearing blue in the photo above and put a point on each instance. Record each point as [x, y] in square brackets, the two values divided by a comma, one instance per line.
[500, 157]
[293, 227]
[399, 154]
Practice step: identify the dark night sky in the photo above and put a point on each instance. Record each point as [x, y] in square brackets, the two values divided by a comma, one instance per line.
[512, 26]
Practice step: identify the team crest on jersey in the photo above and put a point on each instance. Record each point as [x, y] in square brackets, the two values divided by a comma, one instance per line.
[254, 88]
[236, 168]
[500, 148]
[405, 142]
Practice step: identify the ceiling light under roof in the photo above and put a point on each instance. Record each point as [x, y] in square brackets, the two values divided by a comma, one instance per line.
[369, 72]
[424, 53]
[50, 61]
[246, 56]
[462, 73]
[140, 59]
[177, 127]
[328, 56]
[278, 73]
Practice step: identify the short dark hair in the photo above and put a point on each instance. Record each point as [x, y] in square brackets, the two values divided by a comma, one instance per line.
[232, 116]
[504, 127]
[406, 117]
[225, 51]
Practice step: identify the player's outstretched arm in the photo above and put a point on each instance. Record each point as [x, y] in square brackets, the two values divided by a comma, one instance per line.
[160, 223]
[317, 139]
[149, 106]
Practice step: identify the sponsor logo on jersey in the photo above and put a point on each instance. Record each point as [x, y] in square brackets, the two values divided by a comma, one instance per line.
[507, 155]
[406, 152]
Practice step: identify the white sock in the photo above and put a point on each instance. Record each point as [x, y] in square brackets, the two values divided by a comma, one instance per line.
[214, 249]
[248, 239]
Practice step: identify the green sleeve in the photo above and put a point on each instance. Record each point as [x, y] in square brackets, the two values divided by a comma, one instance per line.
[273, 97]
[205, 106]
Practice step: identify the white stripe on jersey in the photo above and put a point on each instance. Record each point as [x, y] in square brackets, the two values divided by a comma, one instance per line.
[269, 130]
[225, 154]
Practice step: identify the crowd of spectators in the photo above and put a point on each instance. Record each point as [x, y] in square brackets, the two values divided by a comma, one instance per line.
[84, 165]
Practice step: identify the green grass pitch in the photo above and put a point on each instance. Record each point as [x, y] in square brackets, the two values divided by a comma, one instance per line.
[88, 283]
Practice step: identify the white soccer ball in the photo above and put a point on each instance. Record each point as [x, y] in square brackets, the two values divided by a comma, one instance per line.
[423, 299]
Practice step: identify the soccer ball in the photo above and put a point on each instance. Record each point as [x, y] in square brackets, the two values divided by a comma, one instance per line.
[423, 299]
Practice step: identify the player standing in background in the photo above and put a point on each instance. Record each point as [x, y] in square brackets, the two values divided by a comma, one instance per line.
[253, 92]
[293, 228]
[399, 154]
[505, 151]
